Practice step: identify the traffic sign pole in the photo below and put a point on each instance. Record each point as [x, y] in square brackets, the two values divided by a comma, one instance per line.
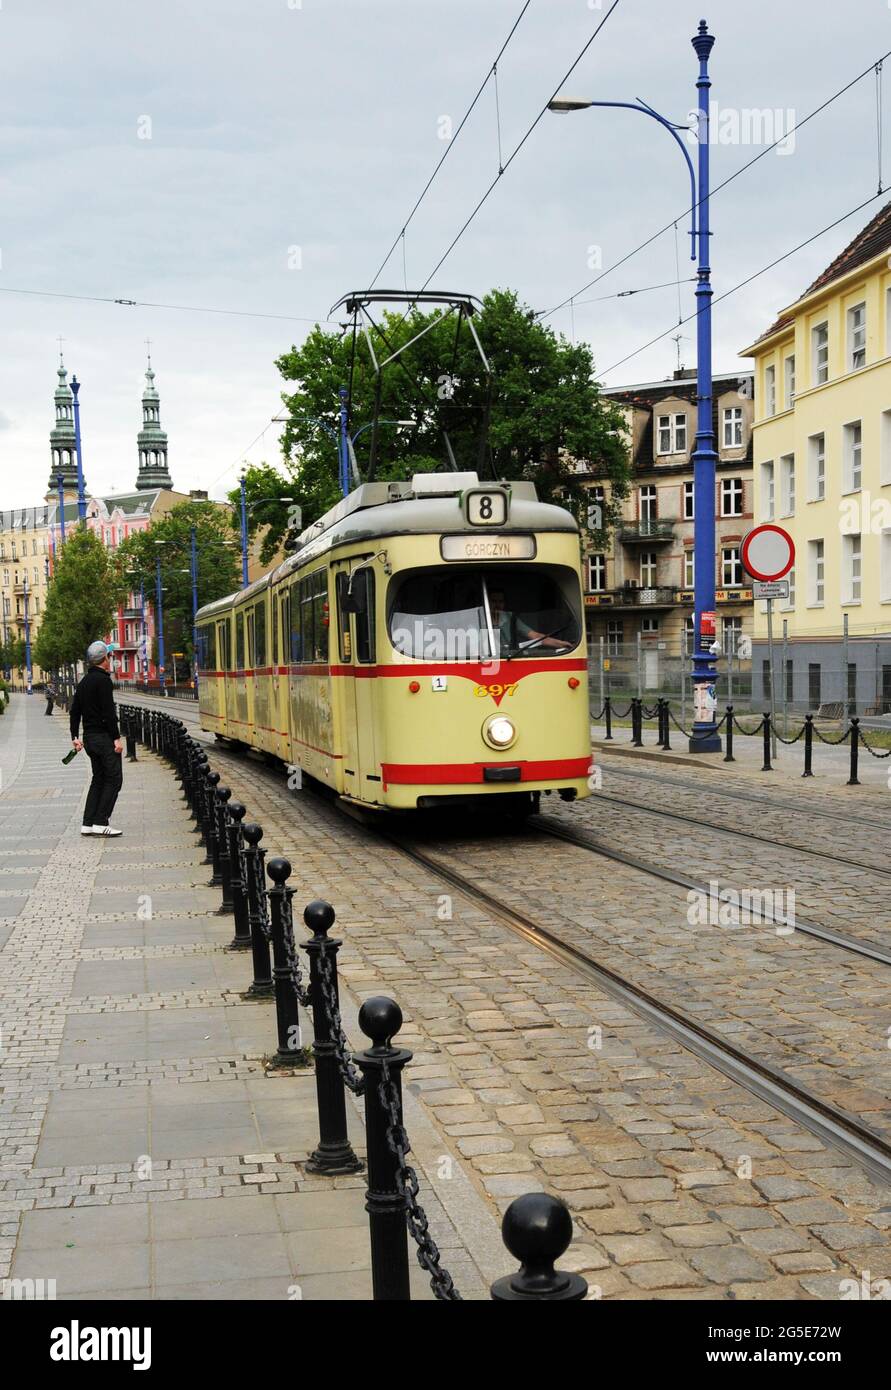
[768, 554]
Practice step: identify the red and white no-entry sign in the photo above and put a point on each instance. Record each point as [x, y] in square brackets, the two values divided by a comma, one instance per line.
[768, 552]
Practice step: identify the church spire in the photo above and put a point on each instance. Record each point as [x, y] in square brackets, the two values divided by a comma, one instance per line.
[62, 450]
[152, 440]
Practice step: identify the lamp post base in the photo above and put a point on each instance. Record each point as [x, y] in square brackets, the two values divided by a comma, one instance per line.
[705, 739]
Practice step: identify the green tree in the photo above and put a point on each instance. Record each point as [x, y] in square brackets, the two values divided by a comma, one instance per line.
[169, 537]
[80, 603]
[264, 490]
[547, 414]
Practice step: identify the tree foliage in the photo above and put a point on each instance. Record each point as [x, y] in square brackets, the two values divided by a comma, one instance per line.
[169, 537]
[547, 414]
[81, 600]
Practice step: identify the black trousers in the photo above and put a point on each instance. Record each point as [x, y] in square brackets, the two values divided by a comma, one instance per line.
[108, 776]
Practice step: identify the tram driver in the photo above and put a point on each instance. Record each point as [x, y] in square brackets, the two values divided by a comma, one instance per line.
[515, 633]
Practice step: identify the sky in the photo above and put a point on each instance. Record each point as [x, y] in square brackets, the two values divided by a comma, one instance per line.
[261, 156]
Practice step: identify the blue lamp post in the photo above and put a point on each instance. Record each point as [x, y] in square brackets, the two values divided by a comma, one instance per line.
[344, 449]
[159, 614]
[144, 629]
[705, 738]
[193, 567]
[81, 494]
[244, 533]
[27, 638]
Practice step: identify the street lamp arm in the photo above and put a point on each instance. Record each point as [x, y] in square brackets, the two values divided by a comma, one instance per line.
[672, 127]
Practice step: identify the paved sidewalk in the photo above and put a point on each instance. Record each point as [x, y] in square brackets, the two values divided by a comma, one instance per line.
[144, 1151]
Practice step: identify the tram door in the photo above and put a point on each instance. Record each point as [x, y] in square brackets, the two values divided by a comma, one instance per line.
[355, 635]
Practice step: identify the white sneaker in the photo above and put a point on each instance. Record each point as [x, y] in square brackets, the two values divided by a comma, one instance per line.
[106, 830]
[86, 830]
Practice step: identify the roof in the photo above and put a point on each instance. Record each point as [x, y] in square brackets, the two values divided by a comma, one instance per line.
[399, 512]
[660, 386]
[871, 241]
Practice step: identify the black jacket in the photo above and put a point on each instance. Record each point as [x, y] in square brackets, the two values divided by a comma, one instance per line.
[94, 704]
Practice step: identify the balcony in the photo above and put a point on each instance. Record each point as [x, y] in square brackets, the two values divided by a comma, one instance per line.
[131, 613]
[637, 596]
[654, 529]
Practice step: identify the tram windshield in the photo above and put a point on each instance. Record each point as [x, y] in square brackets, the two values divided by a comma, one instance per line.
[481, 614]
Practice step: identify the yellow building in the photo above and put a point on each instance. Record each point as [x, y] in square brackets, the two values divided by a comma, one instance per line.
[23, 573]
[822, 470]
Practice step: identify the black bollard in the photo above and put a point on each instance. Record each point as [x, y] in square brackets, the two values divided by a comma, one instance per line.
[537, 1229]
[210, 825]
[808, 745]
[636, 724]
[659, 721]
[334, 1153]
[608, 713]
[854, 780]
[287, 1015]
[728, 756]
[222, 796]
[237, 878]
[381, 1064]
[767, 767]
[261, 985]
[666, 725]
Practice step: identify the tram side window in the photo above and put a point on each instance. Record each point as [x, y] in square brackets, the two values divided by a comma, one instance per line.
[239, 641]
[320, 615]
[223, 644]
[285, 610]
[273, 612]
[343, 619]
[363, 593]
[260, 633]
[306, 620]
[249, 645]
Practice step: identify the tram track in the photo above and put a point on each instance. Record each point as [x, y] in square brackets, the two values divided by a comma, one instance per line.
[831, 1124]
[590, 842]
[737, 794]
[740, 834]
[800, 1103]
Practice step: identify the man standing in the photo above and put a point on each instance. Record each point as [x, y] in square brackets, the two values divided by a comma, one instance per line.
[93, 704]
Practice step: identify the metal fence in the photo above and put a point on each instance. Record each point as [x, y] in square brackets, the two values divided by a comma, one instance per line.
[645, 669]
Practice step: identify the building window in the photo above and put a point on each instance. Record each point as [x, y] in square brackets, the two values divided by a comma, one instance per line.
[648, 504]
[820, 353]
[614, 630]
[648, 569]
[856, 337]
[731, 497]
[765, 679]
[731, 632]
[689, 634]
[852, 557]
[672, 434]
[885, 566]
[733, 427]
[596, 574]
[596, 499]
[689, 577]
[767, 499]
[787, 484]
[731, 567]
[788, 604]
[816, 467]
[649, 627]
[688, 501]
[852, 457]
[815, 572]
[814, 672]
[789, 382]
[770, 390]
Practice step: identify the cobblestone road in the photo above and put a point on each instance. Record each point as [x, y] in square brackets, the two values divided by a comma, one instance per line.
[681, 1183]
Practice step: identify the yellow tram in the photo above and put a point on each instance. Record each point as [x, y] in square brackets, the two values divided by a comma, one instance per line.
[424, 644]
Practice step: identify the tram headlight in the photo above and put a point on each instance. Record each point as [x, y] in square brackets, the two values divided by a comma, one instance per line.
[499, 731]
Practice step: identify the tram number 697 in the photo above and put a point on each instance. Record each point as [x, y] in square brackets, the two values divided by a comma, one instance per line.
[496, 690]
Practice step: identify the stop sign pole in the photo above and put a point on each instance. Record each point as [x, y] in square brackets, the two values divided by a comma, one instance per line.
[768, 554]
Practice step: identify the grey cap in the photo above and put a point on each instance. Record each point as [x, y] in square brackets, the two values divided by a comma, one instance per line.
[96, 653]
